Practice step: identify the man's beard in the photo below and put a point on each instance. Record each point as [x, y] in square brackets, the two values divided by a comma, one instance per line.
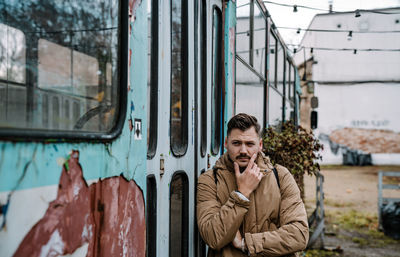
[242, 169]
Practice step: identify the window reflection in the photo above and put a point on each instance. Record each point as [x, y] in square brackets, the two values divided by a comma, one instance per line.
[272, 60]
[216, 85]
[280, 65]
[57, 53]
[152, 77]
[151, 220]
[178, 216]
[178, 77]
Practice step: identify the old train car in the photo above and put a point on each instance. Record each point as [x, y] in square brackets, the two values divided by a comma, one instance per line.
[111, 109]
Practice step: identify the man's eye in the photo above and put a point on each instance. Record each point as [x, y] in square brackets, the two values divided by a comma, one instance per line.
[250, 144]
[236, 143]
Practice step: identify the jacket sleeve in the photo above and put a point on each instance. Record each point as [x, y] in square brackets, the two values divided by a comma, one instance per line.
[218, 223]
[292, 235]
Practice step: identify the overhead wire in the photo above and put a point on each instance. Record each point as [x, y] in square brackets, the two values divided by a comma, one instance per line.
[295, 6]
[327, 30]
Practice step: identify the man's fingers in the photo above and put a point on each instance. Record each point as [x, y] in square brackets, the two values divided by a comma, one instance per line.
[236, 167]
[251, 162]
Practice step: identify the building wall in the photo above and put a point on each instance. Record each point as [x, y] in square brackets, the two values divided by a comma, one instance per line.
[357, 91]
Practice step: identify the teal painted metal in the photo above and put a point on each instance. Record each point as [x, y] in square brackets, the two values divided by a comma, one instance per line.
[35, 164]
[229, 40]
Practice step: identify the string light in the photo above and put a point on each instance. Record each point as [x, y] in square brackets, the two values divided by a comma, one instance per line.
[324, 10]
[294, 8]
[355, 51]
[350, 35]
[345, 49]
[298, 30]
[358, 14]
[338, 30]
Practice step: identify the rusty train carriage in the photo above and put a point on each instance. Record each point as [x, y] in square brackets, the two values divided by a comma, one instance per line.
[99, 159]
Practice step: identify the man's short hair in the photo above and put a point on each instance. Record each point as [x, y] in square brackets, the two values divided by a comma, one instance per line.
[243, 122]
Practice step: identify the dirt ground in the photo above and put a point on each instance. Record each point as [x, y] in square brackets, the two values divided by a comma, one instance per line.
[351, 200]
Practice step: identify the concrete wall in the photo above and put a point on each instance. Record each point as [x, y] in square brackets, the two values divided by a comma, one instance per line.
[355, 90]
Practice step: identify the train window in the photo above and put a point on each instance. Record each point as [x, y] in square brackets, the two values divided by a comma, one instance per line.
[259, 40]
[280, 65]
[287, 90]
[272, 60]
[216, 83]
[151, 219]
[290, 82]
[178, 218]
[179, 81]
[152, 78]
[274, 107]
[243, 29]
[249, 92]
[203, 77]
[59, 53]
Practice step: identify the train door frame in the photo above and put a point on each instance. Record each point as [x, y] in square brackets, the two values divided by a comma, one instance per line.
[194, 160]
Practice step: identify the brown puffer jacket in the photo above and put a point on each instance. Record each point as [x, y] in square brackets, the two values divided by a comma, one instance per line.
[273, 222]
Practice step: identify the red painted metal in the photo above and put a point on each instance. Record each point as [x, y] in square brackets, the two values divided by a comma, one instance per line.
[109, 216]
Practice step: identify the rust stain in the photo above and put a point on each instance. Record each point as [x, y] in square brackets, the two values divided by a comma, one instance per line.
[108, 215]
[130, 56]
[133, 4]
[130, 125]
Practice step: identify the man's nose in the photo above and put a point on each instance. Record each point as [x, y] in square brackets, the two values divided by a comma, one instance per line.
[243, 148]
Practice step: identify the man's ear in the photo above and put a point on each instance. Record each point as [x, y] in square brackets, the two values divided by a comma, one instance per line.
[226, 142]
[261, 144]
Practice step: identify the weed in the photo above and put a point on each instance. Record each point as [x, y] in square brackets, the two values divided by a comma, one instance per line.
[359, 240]
[359, 227]
[338, 204]
[319, 253]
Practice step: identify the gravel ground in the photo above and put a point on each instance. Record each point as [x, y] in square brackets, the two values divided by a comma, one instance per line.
[353, 189]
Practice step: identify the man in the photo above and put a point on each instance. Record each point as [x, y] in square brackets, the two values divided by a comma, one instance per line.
[242, 207]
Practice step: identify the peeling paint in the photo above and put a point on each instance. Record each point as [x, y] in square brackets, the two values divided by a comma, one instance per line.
[108, 215]
[133, 4]
[3, 212]
[132, 106]
[130, 125]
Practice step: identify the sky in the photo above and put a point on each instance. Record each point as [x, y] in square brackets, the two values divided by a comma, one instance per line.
[285, 17]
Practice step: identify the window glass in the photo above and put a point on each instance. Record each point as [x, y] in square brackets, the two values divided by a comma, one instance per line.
[249, 93]
[280, 67]
[259, 40]
[274, 107]
[178, 218]
[216, 83]
[178, 77]
[203, 77]
[55, 53]
[152, 77]
[151, 220]
[287, 90]
[243, 29]
[272, 60]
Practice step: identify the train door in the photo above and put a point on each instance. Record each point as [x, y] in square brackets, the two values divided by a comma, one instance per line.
[184, 118]
[208, 33]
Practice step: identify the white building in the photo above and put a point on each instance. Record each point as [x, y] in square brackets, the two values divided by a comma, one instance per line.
[356, 76]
